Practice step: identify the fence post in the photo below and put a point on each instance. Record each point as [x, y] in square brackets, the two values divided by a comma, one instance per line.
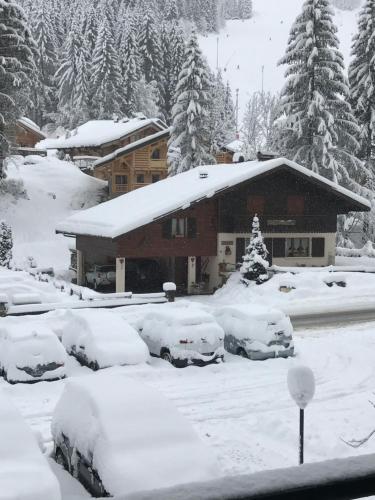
[170, 291]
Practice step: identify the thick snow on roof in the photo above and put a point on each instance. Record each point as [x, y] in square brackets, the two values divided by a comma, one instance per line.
[132, 146]
[235, 146]
[98, 132]
[140, 207]
[31, 125]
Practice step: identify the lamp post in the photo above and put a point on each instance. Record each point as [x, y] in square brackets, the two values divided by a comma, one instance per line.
[301, 385]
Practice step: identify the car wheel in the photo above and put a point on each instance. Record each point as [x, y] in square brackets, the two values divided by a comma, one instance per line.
[241, 352]
[61, 459]
[166, 355]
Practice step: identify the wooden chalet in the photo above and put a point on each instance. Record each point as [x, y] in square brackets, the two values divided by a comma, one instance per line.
[23, 137]
[99, 138]
[136, 165]
[196, 225]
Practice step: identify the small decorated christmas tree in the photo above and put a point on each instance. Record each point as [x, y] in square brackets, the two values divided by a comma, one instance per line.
[255, 264]
[6, 244]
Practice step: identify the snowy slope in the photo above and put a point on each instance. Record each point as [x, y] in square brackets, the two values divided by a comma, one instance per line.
[55, 190]
[246, 46]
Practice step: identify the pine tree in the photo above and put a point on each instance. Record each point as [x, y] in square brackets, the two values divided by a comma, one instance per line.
[106, 81]
[190, 129]
[362, 82]
[172, 49]
[149, 43]
[6, 244]
[319, 130]
[130, 69]
[17, 51]
[255, 264]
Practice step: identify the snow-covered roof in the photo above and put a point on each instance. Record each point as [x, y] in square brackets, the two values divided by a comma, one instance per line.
[142, 206]
[235, 146]
[99, 132]
[132, 146]
[26, 122]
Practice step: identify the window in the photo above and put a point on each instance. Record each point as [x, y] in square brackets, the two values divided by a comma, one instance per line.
[155, 155]
[121, 179]
[296, 205]
[298, 247]
[155, 178]
[255, 205]
[318, 247]
[180, 228]
[140, 178]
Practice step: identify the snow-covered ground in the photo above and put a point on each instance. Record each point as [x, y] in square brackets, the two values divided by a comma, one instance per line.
[54, 190]
[246, 46]
[242, 409]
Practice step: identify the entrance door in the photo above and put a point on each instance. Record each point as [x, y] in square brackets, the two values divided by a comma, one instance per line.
[181, 274]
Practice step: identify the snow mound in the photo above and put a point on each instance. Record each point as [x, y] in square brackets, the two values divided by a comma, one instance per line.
[137, 438]
[54, 190]
[24, 472]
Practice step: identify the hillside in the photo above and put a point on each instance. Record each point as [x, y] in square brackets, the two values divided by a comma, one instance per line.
[54, 190]
[246, 46]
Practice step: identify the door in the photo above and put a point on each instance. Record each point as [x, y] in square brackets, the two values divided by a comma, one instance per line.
[181, 274]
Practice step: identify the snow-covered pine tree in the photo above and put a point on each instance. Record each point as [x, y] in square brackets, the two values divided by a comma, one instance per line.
[245, 9]
[170, 13]
[172, 50]
[130, 69]
[106, 81]
[255, 264]
[17, 51]
[318, 128]
[149, 43]
[362, 82]
[6, 244]
[252, 126]
[190, 126]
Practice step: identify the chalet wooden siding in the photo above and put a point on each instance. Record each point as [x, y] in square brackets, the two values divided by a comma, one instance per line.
[149, 241]
[273, 197]
[224, 157]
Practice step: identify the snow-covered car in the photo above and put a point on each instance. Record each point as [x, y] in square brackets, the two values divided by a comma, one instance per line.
[183, 335]
[30, 352]
[101, 276]
[118, 436]
[256, 332]
[24, 471]
[100, 339]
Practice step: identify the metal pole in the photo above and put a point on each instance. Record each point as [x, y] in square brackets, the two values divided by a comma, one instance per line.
[301, 434]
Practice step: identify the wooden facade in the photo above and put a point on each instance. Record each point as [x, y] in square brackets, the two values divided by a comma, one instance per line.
[136, 168]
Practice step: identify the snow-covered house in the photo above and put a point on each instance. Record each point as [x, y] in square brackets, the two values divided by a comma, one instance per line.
[102, 137]
[231, 153]
[23, 137]
[135, 165]
[196, 224]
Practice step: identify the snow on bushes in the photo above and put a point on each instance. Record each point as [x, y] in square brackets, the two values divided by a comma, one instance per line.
[366, 251]
[102, 338]
[24, 472]
[255, 265]
[137, 439]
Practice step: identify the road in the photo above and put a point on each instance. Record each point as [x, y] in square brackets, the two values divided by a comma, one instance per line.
[333, 318]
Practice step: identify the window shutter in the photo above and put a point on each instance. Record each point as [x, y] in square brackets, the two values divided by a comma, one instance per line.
[318, 247]
[296, 205]
[278, 247]
[167, 229]
[191, 227]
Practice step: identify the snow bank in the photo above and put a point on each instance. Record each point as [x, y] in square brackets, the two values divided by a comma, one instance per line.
[24, 472]
[27, 347]
[138, 440]
[102, 336]
[55, 189]
[366, 251]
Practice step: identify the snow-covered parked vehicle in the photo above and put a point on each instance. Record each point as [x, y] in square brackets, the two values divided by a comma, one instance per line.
[99, 276]
[24, 471]
[183, 335]
[30, 352]
[118, 436]
[100, 339]
[256, 332]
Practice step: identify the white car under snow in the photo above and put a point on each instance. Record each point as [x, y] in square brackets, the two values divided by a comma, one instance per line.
[118, 436]
[24, 471]
[100, 339]
[30, 352]
[183, 335]
[256, 332]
